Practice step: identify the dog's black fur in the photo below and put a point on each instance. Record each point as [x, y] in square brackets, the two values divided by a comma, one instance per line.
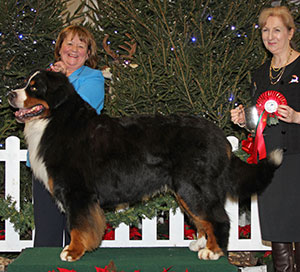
[90, 162]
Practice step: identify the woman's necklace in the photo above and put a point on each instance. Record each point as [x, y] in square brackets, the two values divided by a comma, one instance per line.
[275, 79]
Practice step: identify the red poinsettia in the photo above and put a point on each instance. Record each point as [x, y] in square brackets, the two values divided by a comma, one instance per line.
[134, 233]
[189, 233]
[63, 270]
[245, 232]
[109, 268]
[2, 234]
[267, 254]
[109, 233]
[166, 270]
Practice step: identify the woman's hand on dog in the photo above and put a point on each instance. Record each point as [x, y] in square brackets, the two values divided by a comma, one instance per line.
[58, 67]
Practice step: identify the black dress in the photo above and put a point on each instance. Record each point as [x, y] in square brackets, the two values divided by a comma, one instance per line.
[279, 204]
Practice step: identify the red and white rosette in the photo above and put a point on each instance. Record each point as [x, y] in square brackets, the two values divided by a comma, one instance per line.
[267, 107]
[269, 102]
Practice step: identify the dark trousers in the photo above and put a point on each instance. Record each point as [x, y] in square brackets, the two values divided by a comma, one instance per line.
[50, 223]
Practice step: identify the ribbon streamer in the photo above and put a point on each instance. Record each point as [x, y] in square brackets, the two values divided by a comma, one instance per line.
[267, 106]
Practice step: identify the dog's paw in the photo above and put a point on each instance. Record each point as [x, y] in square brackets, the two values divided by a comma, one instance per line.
[197, 244]
[69, 255]
[207, 254]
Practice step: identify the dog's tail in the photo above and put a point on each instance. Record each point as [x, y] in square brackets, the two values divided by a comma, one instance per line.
[248, 179]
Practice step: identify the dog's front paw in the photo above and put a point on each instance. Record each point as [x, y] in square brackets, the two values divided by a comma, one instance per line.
[207, 254]
[197, 244]
[70, 255]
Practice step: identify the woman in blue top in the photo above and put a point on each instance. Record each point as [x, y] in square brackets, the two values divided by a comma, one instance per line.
[76, 57]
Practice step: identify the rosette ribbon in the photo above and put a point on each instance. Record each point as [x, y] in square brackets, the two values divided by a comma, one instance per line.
[267, 106]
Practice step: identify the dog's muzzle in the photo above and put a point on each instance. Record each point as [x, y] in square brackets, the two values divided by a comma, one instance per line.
[11, 97]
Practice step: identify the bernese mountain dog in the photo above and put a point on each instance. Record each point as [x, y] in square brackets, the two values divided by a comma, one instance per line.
[91, 162]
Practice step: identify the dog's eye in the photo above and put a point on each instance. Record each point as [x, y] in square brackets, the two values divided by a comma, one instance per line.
[34, 89]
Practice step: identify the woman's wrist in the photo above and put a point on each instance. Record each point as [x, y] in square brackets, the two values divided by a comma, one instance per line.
[297, 118]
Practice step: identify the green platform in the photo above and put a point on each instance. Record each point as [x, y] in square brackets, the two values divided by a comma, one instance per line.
[125, 259]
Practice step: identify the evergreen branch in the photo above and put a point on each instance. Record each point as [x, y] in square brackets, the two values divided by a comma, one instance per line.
[133, 215]
[177, 57]
[229, 16]
[133, 15]
[22, 220]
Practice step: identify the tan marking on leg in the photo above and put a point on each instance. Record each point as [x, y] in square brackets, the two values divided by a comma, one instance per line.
[211, 238]
[95, 229]
[204, 227]
[195, 219]
[87, 236]
[76, 249]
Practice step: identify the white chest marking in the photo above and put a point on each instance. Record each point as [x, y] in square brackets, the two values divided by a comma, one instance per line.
[33, 133]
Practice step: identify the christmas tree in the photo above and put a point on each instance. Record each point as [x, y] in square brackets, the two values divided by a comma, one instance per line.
[192, 57]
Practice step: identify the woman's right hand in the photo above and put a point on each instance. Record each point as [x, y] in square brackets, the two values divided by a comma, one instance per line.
[58, 67]
[238, 116]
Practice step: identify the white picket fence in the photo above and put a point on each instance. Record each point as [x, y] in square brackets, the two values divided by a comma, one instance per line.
[12, 155]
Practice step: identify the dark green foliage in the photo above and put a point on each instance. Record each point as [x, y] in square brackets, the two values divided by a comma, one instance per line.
[175, 73]
[22, 220]
[151, 208]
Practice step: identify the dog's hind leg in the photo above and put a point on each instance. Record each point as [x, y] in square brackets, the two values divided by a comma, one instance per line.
[201, 236]
[221, 226]
[86, 232]
[206, 243]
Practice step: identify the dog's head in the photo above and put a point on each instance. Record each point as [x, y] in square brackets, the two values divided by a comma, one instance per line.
[43, 93]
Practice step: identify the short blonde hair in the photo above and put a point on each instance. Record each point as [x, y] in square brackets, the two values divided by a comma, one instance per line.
[279, 11]
[85, 36]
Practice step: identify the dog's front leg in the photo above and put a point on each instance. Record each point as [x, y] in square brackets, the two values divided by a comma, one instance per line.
[86, 231]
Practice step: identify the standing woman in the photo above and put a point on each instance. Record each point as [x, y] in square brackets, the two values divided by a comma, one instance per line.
[76, 57]
[279, 203]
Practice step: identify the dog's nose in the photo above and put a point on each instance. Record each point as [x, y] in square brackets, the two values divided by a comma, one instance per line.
[11, 95]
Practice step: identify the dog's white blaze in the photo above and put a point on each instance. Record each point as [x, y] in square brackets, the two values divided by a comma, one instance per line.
[21, 97]
[21, 94]
[33, 133]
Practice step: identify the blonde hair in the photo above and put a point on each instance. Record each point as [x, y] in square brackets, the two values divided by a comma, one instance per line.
[85, 36]
[280, 11]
